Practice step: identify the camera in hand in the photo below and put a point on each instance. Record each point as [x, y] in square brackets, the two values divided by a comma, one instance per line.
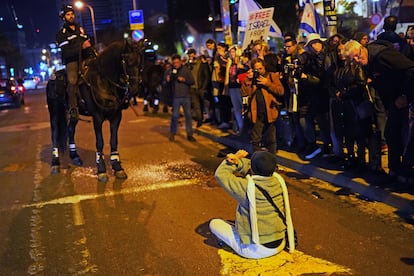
[256, 75]
[174, 73]
[293, 70]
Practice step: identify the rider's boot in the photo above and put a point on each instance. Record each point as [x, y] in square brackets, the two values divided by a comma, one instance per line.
[73, 101]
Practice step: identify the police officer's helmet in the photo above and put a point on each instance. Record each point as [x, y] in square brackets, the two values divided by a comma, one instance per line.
[64, 10]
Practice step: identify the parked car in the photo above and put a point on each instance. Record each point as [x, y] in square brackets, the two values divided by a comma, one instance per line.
[11, 93]
[31, 82]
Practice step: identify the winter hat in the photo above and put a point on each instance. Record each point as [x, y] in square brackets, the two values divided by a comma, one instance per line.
[263, 163]
[313, 37]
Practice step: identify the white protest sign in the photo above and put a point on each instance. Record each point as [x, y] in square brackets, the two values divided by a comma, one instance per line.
[258, 26]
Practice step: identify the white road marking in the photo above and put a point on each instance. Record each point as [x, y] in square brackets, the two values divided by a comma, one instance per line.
[77, 214]
[78, 198]
[37, 249]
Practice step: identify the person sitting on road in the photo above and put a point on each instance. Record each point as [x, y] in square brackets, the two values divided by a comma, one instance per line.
[263, 221]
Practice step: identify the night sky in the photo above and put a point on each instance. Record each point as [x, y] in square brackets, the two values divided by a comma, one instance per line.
[39, 19]
[41, 22]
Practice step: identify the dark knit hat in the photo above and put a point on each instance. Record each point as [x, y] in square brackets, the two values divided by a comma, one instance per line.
[263, 163]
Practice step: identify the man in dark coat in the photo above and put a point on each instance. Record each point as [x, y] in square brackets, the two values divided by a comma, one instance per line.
[393, 77]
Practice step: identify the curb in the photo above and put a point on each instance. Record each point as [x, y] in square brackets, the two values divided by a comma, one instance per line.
[403, 202]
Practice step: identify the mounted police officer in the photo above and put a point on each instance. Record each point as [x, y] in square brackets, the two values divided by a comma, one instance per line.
[75, 47]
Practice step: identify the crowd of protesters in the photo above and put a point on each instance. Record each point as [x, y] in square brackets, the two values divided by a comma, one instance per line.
[341, 97]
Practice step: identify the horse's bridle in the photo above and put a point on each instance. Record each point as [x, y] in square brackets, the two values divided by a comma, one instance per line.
[125, 76]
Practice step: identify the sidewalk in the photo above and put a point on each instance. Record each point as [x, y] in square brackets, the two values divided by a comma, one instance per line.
[367, 185]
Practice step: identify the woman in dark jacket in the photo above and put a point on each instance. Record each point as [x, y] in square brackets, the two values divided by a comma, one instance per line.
[350, 89]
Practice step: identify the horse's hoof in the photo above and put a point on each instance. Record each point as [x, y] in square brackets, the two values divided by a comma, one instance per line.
[120, 174]
[77, 161]
[55, 170]
[103, 177]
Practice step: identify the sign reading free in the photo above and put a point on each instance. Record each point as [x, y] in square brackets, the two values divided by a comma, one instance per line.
[136, 19]
[258, 26]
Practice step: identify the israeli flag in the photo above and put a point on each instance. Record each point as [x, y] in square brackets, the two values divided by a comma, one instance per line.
[310, 22]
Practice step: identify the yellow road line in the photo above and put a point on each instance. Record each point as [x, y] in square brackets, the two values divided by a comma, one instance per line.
[283, 263]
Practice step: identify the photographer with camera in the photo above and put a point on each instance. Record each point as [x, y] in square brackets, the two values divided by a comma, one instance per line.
[181, 80]
[307, 76]
[262, 88]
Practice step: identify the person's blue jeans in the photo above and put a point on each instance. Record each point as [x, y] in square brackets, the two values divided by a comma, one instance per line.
[307, 124]
[186, 104]
[236, 101]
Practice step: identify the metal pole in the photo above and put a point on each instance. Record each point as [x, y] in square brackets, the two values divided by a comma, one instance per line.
[95, 39]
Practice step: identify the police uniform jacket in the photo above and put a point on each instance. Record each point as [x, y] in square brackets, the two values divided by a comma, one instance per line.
[70, 41]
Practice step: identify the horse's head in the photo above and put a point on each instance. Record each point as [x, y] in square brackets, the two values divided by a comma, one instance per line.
[132, 62]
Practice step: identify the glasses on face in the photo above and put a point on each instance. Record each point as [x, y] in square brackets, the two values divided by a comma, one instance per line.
[288, 46]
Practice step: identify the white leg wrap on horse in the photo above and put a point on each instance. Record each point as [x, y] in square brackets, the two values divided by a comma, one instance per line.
[55, 152]
[114, 156]
[156, 102]
[99, 156]
[72, 147]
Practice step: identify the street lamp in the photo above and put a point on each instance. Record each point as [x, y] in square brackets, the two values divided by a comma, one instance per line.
[79, 5]
[211, 19]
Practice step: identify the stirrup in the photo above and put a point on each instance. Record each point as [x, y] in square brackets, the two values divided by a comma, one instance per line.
[74, 112]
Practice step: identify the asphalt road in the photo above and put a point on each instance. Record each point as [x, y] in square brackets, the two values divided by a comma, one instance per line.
[156, 221]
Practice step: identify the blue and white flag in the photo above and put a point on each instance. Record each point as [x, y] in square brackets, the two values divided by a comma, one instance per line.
[309, 22]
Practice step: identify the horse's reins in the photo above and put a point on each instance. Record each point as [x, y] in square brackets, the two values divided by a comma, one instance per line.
[113, 83]
[117, 85]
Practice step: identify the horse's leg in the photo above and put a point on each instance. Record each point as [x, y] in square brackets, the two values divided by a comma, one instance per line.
[114, 123]
[55, 164]
[54, 116]
[100, 161]
[73, 154]
[147, 99]
[54, 127]
[156, 96]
